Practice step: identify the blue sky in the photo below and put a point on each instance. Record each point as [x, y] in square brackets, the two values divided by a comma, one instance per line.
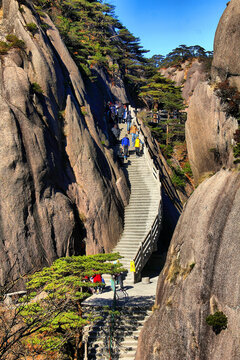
[162, 25]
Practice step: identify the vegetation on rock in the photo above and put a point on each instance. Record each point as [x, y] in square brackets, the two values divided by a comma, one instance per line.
[218, 321]
[36, 89]
[161, 92]
[50, 317]
[15, 42]
[12, 42]
[94, 36]
[32, 27]
[182, 53]
[230, 101]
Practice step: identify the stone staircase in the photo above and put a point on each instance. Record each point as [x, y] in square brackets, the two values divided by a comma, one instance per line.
[141, 210]
[122, 331]
[142, 220]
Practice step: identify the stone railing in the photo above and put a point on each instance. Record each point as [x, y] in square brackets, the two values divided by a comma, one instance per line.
[148, 245]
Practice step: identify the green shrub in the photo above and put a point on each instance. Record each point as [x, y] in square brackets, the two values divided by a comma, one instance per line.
[167, 150]
[229, 97]
[218, 321]
[36, 89]
[236, 150]
[178, 181]
[192, 266]
[4, 47]
[32, 27]
[187, 169]
[45, 27]
[15, 41]
[178, 178]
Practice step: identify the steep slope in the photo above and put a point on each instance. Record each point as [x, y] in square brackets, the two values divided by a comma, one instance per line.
[206, 114]
[200, 277]
[227, 40]
[209, 133]
[59, 184]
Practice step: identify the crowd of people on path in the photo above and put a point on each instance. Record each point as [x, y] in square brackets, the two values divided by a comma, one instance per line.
[96, 279]
[117, 114]
[99, 282]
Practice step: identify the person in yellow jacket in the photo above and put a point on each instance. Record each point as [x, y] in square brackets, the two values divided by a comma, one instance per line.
[137, 145]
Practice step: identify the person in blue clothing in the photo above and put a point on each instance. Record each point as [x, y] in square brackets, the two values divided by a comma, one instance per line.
[125, 144]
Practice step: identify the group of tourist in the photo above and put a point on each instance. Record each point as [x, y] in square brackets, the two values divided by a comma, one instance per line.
[95, 279]
[117, 113]
[136, 142]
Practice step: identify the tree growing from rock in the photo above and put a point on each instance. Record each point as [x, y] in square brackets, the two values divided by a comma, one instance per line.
[161, 93]
[50, 318]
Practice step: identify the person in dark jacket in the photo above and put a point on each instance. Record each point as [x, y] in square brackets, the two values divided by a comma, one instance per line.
[120, 113]
[128, 121]
[125, 144]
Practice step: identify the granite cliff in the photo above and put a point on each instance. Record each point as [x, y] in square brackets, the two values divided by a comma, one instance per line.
[61, 191]
[206, 114]
[200, 274]
[187, 75]
[199, 278]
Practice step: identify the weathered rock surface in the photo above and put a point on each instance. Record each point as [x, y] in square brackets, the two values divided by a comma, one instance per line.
[200, 276]
[188, 76]
[226, 63]
[59, 184]
[209, 133]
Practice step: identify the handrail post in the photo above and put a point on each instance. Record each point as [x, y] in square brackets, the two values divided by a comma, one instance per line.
[141, 254]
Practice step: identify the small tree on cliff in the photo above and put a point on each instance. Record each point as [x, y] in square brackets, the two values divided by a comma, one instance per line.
[160, 92]
[50, 318]
[172, 101]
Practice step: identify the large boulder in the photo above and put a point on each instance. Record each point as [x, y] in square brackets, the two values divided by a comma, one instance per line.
[200, 277]
[209, 129]
[226, 63]
[209, 133]
[59, 182]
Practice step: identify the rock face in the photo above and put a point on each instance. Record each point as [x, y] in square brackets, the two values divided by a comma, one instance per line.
[59, 183]
[200, 277]
[188, 76]
[209, 133]
[226, 63]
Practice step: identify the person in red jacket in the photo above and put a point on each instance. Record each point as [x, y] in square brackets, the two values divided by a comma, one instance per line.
[97, 278]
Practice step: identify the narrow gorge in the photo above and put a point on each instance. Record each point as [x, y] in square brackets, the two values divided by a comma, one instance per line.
[66, 189]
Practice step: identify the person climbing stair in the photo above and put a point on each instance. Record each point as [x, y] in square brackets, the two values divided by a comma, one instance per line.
[125, 144]
[137, 145]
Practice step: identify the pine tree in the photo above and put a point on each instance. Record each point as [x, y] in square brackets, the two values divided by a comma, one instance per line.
[51, 315]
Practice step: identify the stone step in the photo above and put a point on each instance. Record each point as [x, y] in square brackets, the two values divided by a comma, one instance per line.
[127, 248]
[128, 355]
[143, 197]
[130, 223]
[131, 213]
[134, 246]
